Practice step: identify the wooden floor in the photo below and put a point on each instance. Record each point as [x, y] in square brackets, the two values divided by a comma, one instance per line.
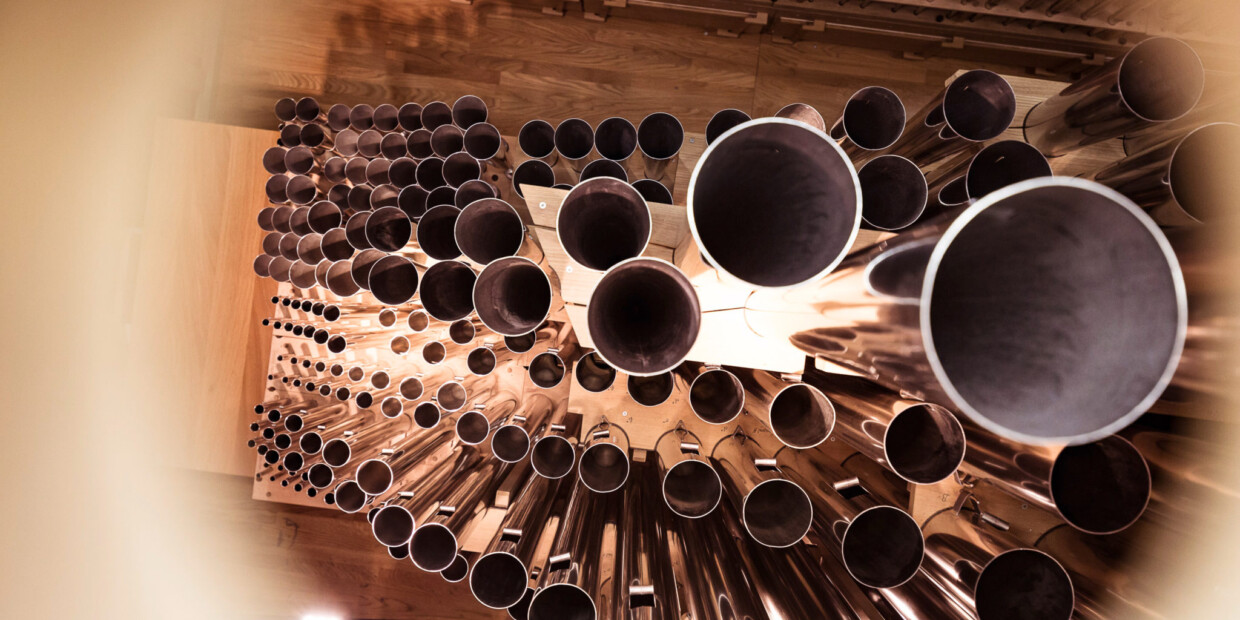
[528, 65]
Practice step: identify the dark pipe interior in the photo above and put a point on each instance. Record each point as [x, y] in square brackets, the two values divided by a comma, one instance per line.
[660, 135]
[801, 417]
[471, 191]
[436, 114]
[520, 344]
[883, 547]
[513, 296]
[594, 374]
[461, 332]
[481, 361]
[433, 547]
[716, 396]
[722, 121]
[692, 488]
[472, 427]
[426, 415]
[873, 118]
[1161, 79]
[363, 263]
[1024, 584]
[510, 443]
[604, 467]
[777, 513]
[650, 391]
[451, 396]
[482, 141]
[644, 316]
[574, 138]
[411, 388]
[537, 139]
[1203, 173]
[1101, 487]
[653, 191]
[1003, 163]
[924, 443]
[393, 280]
[460, 168]
[604, 168]
[418, 142]
[433, 352]
[446, 140]
[547, 370]
[447, 289]
[418, 321]
[388, 229]
[553, 457]
[392, 526]
[437, 233]
[615, 139]
[531, 172]
[374, 476]
[349, 496]
[469, 111]
[498, 580]
[979, 105]
[409, 116]
[893, 192]
[602, 222]
[430, 173]
[489, 229]
[562, 601]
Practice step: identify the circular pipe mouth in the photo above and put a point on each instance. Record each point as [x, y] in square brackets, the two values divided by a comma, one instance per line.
[722, 121]
[283, 441]
[489, 229]
[805, 113]
[498, 580]
[277, 188]
[457, 570]
[601, 168]
[299, 221]
[716, 396]
[436, 114]
[451, 396]
[460, 168]
[604, 467]
[472, 191]
[334, 169]
[437, 233]
[391, 407]
[293, 461]
[271, 244]
[660, 135]
[340, 280]
[434, 353]
[355, 228]
[461, 331]
[298, 160]
[314, 136]
[361, 117]
[615, 139]
[338, 117]
[418, 142]
[468, 111]
[262, 265]
[1024, 584]
[562, 601]
[512, 296]
[553, 457]
[363, 263]
[644, 316]
[402, 172]
[444, 195]
[603, 222]
[374, 477]
[777, 513]
[594, 374]
[873, 119]
[377, 171]
[1202, 174]
[399, 552]
[265, 216]
[430, 173]
[652, 390]
[481, 361]
[393, 526]
[286, 109]
[393, 280]
[369, 143]
[893, 192]
[321, 476]
[882, 547]
[472, 428]
[521, 343]
[433, 547]
[281, 219]
[979, 105]
[349, 497]
[1101, 487]
[387, 318]
[446, 140]
[427, 415]
[346, 142]
[411, 388]
[547, 370]
[1002, 164]
[531, 172]
[1007, 277]
[418, 321]
[279, 268]
[1160, 79]
[448, 288]
[536, 139]
[338, 195]
[385, 117]
[399, 345]
[924, 444]
[413, 201]
[388, 229]
[692, 489]
[290, 135]
[574, 138]
[310, 443]
[323, 216]
[653, 191]
[483, 141]
[409, 116]
[802, 185]
[288, 245]
[510, 443]
[801, 416]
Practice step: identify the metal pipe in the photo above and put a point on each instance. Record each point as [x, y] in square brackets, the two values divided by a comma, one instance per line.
[616, 140]
[355, 169]
[977, 106]
[315, 137]
[402, 172]
[798, 414]
[571, 582]
[418, 142]
[286, 109]
[804, 113]
[273, 160]
[346, 143]
[434, 352]
[602, 222]
[483, 142]
[532, 172]
[393, 146]
[652, 390]
[413, 201]
[721, 122]
[435, 115]
[659, 137]
[447, 287]
[537, 140]
[512, 296]
[323, 216]
[334, 169]
[385, 117]
[336, 245]
[434, 546]
[436, 232]
[340, 279]
[430, 173]
[388, 229]
[511, 441]
[460, 168]
[574, 140]
[472, 191]
[775, 511]
[652, 191]
[971, 177]
[290, 135]
[443, 195]
[369, 143]
[276, 189]
[547, 369]
[363, 263]
[490, 229]
[604, 168]
[593, 373]
[645, 586]
[500, 577]
[469, 111]
[393, 280]
[994, 293]
[716, 396]
[690, 485]
[361, 117]
[1157, 80]
[409, 117]
[308, 111]
[553, 454]
[446, 140]
[893, 193]
[793, 226]
[604, 466]
[873, 119]
[1185, 181]
[644, 315]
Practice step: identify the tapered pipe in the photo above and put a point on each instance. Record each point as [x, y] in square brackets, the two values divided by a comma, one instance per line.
[446, 140]
[652, 390]
[604, 465]
[921, 442]
[447, 289]
[436, 114]
[409, 116]
[393, 280]
[792, 227]
[984, 292]
[602, 222]
[531, 172]
[873, 119]
[981, 567]
[977, 106]
[1185, 181]
[604, 168]
[659, 137]
[690, 486]
[500, 577]
[653, 191]
[574, 139]
[537, 140]
[804, 113]
[722, 121]
[644, 316]
[594, 374]
[434, 546]
[893, 193]
[1157, 80]
[775, 511]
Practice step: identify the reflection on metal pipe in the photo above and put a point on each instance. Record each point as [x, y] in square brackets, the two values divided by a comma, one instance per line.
[873, 119]
[977, 106]
[776, 511]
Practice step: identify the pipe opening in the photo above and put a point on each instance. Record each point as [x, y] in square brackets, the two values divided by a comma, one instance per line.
[1024, 584]
[393, 279]
[399, 552]
[338, 117]
[436, 114]
[391, 407]
[388, 229]
[355, 229]
[489, 229]
[310, 443]
[660, 135]
[716, 396]
[448, 288]
[314, 136]
[392, 526]
[798, 180]
[277, 189]
[653, 191]
[536, 139]
[451, 396]
[801, 416]
[369, 143]
[419, 321]
[604, 168]
[374, 476]
[336, 344]
[363, 264]
[510, 443]
[873, 118]
[445, 195]
[324, 216]
[402, 172]
[340, 282]
[615, 139]
[644, 316]
[777, 513]
[349, 497]
[290, 135]
[520, 344]
[483, 141]
[531, 172]
[1008, 278]
[430, 173]
[562, 601]
[385, 117]
[1101, 487]
[399, 345]
[320, 476]
[1203, 175]
[293, 461]
[472, 191]
[286, 109]
[418, 142]
[722, 121]
[883, 547]
[574, 138]
[426, 415]
[262, 265]
[446, 140]
[461, 331]
[650, 391]
[1002, 164]
[893, 192]
[334, 169]
[346, 142]
[460, 168]
[433, 352]
[692, 489]
[481, 361]
[1161, 79]
[458, 569]
[437, 233]
[512, 296]
[468, 111]
[594, 374]
[924, 444]
[411, 388]
[604, 467]
[299, 160]
[498, 580]
[546, 370]
[433, 547]
[553, 457]
[362, 117]
[472, 427]
[409, 116]
[979, 105]
[377, 171]
[413, 201]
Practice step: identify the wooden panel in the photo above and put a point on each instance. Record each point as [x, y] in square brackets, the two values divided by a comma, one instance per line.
[196, 294]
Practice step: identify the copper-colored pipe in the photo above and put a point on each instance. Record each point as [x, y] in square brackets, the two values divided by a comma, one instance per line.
[409, 116]
[369, 143]
[418, 142]
[338, 117]
[483, 142]
[653, 191]
[402, 172]
[574, 140]
[553, 454]
[604, 465]
[499, 579]
[721, 122]
[286, 109]
[385, 117]
[511, 441]
[473, 191]
[644, 315]
[644, 584]
[977, 106]
[594, 374]
[804, 113]
[872, 120]
[702, 553]
[604, 168]
[436, 114]
[659, 138]
[436, 233]
[446, 140]
[413, 201]
[690, 486]
[571, 582]
[716, 396]
[651, 390]
[893, 193]
[798, 414]
[512, 295]
[315, 137]
[537, 140]
[434, 546]
[361, 117]
[775, 511]
[460, 168]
